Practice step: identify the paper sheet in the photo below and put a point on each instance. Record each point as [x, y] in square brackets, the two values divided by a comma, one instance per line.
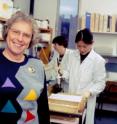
[66, 97]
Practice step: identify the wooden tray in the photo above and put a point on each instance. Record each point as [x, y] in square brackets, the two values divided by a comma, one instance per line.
[63, 106]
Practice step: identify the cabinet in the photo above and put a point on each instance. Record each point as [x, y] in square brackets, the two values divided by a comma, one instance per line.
[44, 51]
[45, 35]
[108, 96]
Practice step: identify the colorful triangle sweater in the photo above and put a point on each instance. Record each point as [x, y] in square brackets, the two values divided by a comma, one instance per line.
[23, 93]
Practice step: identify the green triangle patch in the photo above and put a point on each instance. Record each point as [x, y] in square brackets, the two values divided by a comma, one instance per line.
[9, 108]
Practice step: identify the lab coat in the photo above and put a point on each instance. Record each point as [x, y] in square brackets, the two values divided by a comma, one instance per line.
[86, 76]
[51, 67]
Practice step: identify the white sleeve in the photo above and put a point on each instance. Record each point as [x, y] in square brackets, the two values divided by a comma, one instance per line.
[99, 77]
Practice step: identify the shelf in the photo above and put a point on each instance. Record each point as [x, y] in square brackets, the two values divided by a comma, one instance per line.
[110, 33]
[110, 59]
[3, 19]
[43, 30]
[1, 39]
[45, 40]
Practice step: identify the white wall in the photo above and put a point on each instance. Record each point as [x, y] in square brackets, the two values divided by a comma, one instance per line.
[46, 9]
[24, 5]
[101, 6]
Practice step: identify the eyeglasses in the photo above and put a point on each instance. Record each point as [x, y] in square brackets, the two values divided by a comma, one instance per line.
[16, 32]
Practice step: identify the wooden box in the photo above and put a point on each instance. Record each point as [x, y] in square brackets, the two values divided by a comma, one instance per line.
[66, 103]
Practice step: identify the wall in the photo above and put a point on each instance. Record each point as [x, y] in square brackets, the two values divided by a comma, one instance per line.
[24, 5]
[103, 6]
[46, 9]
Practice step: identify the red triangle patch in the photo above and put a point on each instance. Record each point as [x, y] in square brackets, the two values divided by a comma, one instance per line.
[29, 117]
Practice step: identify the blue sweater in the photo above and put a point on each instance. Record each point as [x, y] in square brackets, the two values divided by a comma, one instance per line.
[23, 93]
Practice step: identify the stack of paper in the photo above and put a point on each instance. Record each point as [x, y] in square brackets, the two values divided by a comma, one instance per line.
[64, 103]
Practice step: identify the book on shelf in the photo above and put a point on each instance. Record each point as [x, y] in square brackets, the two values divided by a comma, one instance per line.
[105, 23]
[109, 23]
[113, 23]
[92, 23]
[101, 18]
[82, 22]
[96, 29]
[88, 20]
[116, 27]
[98, 22]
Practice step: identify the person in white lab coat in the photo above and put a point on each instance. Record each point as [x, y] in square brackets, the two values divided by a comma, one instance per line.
[86, 72]
[59, 60]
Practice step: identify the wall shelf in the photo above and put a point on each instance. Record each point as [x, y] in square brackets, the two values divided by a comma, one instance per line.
[43, 30]
[110, 59]
[45, 39]
[3, 19]
[105, 33]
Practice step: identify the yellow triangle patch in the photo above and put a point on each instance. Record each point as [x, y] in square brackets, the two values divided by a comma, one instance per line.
[31, 95]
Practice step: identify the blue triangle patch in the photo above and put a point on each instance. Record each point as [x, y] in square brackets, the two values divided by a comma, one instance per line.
[8, 108]
[8, 83]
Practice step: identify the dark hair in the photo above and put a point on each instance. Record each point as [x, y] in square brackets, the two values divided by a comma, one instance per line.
[84, 35]
[61, 41]
[20, 16]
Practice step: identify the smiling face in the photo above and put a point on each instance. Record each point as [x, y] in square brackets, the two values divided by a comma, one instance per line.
[18, 38]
